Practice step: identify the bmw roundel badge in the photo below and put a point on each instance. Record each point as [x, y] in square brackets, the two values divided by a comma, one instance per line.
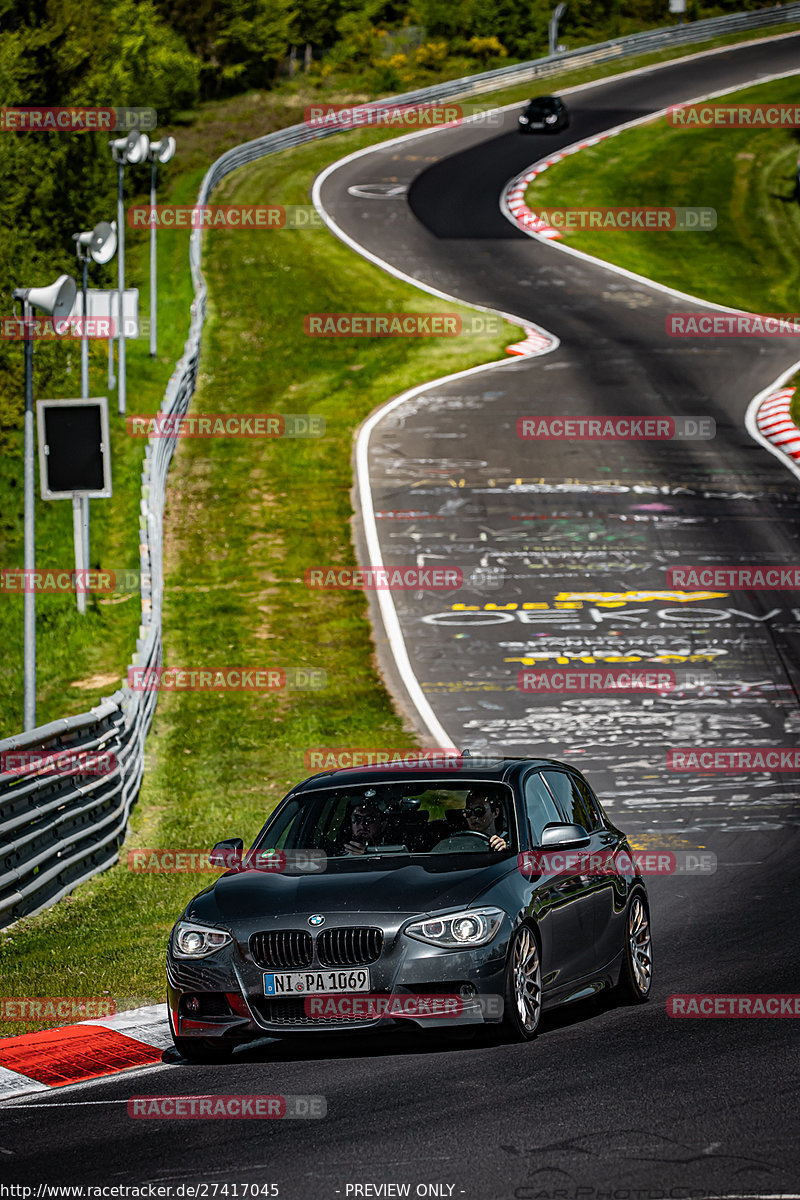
[316, 919]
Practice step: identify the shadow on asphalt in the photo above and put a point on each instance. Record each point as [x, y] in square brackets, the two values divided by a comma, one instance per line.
[398, 1042]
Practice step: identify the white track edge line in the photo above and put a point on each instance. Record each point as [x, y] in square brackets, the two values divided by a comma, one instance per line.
[576, 147]
[447, 742]
[388, 611]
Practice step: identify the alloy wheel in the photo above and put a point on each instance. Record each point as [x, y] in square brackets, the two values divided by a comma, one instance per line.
[527, 979]
[640, 944]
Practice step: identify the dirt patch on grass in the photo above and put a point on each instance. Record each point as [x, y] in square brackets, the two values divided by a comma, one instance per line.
[107, 680]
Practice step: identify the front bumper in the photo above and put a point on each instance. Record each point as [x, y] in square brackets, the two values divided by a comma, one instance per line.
[229, 988]
[557, 128]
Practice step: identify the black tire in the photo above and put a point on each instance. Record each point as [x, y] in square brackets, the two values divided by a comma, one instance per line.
[522, 1009]
[636, 975]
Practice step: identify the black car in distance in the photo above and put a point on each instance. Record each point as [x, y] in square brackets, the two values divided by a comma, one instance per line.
[544, 114]
[479, 892]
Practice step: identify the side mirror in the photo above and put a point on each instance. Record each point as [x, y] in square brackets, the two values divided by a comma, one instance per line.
[227, 854]
[564, 837]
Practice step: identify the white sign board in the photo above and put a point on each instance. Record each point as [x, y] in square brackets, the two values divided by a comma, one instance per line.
[103, 303]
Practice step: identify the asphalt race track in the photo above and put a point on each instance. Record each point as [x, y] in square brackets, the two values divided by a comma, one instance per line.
[626, 1101]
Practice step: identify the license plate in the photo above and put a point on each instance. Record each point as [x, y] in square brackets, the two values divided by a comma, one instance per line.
[316, 983]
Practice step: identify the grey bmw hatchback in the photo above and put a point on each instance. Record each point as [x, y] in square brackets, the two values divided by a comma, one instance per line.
[462, 893]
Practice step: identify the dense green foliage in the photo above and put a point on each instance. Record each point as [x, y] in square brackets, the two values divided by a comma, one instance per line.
[53, 184]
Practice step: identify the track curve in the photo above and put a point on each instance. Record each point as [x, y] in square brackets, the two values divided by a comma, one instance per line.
[607, 1102]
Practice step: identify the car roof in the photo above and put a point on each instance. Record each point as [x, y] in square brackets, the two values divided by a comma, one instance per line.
[541, 99]
[501, 770]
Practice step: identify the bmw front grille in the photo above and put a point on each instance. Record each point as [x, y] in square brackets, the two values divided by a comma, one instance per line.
[293, 949]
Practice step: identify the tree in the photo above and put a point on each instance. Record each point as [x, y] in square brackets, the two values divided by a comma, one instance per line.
[252, 38]
[109, 55]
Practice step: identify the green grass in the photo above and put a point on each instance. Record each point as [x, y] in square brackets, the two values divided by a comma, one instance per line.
[243, 521]
[746, 176]
[80, 660]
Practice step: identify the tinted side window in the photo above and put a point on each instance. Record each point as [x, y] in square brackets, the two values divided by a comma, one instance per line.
[539, 807]
[575, 808]
[590, 801]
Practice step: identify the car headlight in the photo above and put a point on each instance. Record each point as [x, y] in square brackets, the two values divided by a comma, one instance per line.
[551, 120]
[523, 120]
[196, 941]
[472, 927]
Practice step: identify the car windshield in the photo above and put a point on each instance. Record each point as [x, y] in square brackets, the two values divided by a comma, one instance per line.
[396, 819]
[544, 106]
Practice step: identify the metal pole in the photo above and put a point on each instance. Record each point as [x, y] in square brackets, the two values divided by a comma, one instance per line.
[152, 260]
[29, 603]
[557, 14]
[80, 564]
[85, 527]
[84, 335]
[84, 500]
[121, 288]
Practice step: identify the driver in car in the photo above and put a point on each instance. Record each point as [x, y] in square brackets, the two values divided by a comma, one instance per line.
[368, 827]
[484, 814]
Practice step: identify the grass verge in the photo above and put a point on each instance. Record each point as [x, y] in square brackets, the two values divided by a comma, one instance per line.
[244, 519]
[794, 411]
[747, 176]
[82, 659]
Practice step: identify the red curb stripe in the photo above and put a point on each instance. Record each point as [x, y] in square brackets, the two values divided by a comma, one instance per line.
[61, 1056]
[775, 423]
